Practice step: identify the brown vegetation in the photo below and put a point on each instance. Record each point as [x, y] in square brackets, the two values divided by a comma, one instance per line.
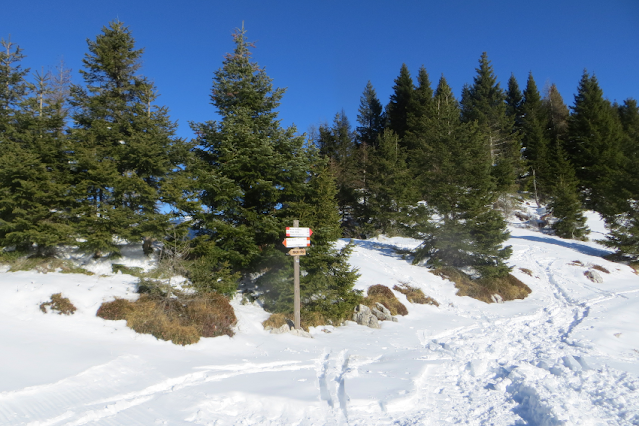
[526, 271]
[58, 303]
[600, 268]
[508, 287]
[415, 295]
[381, 294]
[182, 319]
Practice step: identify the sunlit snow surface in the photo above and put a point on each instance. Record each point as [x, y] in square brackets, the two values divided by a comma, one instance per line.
[566, 355]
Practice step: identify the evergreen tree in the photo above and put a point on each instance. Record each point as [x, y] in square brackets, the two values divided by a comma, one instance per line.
[514, 102]
[422, 97]
[370, 117]
[458, 225]
[401, 103]
[248, 170]
[123, 147]
[557, 114]
[594, 147]
[338, 144]
[388, 186]
[32, 180]
[535, 140]
[418, 114]
[624, 227]
[484, 102]
[326, 285]
[565, 204]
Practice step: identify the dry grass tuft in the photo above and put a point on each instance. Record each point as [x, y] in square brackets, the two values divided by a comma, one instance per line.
[58, 303]
[576, 263]
[130, 270]
[600, 268]
[45, 265]
[526, 271]
[182, 319]
[275, 321]
[415, 295]
[116, 310]
[381, 294]
[307, 319]
[635, 267]
[508, 287]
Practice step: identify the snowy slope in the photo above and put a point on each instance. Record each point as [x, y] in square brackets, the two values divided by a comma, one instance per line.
[568, 354]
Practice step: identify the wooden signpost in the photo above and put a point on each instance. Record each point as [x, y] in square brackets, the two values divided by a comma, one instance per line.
[299, 237]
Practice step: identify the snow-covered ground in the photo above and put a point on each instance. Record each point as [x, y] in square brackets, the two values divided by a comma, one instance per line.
[568, 354]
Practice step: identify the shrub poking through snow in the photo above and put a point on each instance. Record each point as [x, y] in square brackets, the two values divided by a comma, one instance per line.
[381, 294]
[131, 270]
[307, 319]
[600, 268]
[58, 303]
[415, 295]
[508, 287]
[526, 271]
[182, 319]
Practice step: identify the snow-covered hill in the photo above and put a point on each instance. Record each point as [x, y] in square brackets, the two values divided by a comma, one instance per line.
[568, 354]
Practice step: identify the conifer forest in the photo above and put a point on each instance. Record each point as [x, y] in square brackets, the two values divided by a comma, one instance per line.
[98, 163]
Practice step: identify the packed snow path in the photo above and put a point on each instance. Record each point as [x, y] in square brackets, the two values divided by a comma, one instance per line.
[568, 354]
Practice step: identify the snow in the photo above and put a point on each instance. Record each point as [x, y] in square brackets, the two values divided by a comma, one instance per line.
[566, 355]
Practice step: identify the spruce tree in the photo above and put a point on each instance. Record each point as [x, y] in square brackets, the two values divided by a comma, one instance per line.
[535, 140]
[514, 102]
[557, 114]
[370, 117]
[389, 186]
[32, 162]
[401, 103]
[484, 102]
[565, 203]
[123, 147]
[624, 227]
[248, 170]
[326, 285]
[458, 225]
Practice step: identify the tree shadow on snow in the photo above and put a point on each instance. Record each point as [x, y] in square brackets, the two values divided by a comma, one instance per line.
[581, 248]
[385, 249]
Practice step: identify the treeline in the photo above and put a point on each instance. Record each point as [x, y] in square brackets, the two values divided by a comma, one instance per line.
[98, 164]
[461, 161]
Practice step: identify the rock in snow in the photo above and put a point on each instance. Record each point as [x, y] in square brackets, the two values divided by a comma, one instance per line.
[593, 276]
[364, 316]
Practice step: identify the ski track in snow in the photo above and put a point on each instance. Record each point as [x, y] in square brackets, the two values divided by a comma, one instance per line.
[497, 368]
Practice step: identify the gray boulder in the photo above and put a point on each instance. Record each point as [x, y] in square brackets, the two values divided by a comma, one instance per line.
[364, 316]
[593, 276]
[381, 312]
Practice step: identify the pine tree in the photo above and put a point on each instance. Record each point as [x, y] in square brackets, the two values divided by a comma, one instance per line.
[624, 227]
[418, 114]
[535, 140]
[594, 146]
[123, 147]
[389, 186]
[484, 102]
[514, 102]
[370, 117]
[338, 144]
[557, 114]
[326, 285]
[565, 203]
[401, 103]
[458, 225]
[32, 179]
[248, 170]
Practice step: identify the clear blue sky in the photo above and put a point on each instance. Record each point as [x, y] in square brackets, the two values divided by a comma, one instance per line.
[325, 51]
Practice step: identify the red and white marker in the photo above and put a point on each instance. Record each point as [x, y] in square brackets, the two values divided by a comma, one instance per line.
[298, 232]
[297, 242]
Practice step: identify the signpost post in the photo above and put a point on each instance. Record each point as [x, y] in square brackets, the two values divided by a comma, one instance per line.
[299, 237]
